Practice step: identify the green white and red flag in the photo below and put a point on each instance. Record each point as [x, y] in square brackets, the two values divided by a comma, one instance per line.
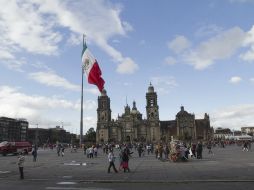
[91, 68]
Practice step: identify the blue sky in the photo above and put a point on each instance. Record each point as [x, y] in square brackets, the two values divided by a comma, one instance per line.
[199, 54]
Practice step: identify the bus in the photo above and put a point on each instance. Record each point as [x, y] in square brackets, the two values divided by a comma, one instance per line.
[15, 147]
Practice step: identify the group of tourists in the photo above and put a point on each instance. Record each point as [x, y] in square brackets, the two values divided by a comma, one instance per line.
[174, 151]
[124, 156]
[91, 151]
[60, 150]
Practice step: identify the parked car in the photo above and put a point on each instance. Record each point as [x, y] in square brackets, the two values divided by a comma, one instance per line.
[15, 147]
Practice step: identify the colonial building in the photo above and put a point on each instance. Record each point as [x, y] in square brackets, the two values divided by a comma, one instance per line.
[247, 130]
[42, 136]
[131, 127]
[13, 129]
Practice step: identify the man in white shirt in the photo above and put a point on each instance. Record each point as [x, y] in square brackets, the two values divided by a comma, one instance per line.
[111, 159]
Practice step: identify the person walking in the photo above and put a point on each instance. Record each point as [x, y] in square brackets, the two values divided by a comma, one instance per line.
[62, 151]
[125, 159]
[209, 147]
[34, 153]
[21, 160]
[193, 149]
[111, 159]
[245, 146]
[199, 150]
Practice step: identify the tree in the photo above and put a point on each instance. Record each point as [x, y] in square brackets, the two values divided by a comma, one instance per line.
[90, 135]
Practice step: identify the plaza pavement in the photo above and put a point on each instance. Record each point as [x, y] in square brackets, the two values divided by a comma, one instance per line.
[228, 164]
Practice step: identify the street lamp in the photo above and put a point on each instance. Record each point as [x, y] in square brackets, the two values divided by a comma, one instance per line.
[36, 136]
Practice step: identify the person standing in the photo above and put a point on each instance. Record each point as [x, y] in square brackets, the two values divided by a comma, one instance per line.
[160, 151]
[58, 149]
[166, 152]
[111, 159]
[90, 152]
[85, 148]
[199, 150]
[140, 150]
[148, 148]
[21, 160]
[120, 160]
[95, 150]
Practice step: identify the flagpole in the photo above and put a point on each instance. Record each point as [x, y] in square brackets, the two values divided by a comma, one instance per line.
[81, 117]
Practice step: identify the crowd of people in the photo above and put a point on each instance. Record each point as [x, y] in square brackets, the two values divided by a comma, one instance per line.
[173, 151]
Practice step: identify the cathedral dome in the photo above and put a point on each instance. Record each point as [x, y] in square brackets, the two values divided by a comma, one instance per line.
[150, 88]
[134, 109]
[182, 112]
[134, 112]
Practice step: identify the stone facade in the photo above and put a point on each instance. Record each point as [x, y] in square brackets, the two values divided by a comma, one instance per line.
[42, 136]
[130, 127]
[13, 129]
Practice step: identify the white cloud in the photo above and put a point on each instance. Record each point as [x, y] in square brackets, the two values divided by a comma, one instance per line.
[51, 79]
[36, 108]
[34, 26]
[16, 104]
[115, 41]
[127, 84]
[163, 84]
[22, 26]
[99, 27]
[233, 117]
[93, 91]
[74, 39]
[142, 42]
[40, 65]
[249, 42]
[221, 46]
[127, 66]
[6, 55]
[235, 80]
[252, 80]
[179, 44]
[241, 1]
[208, 30]
[170, 60]
[89, 122]
[88, 105]
[15, 64]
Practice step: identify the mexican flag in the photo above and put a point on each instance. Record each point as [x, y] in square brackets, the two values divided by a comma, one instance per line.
[91, 68]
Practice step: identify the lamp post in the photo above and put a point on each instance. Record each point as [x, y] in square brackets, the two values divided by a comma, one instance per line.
[36, 135]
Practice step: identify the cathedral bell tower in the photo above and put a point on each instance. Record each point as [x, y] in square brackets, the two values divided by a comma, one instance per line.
[152, 108]
[103, 117]
[152, 113]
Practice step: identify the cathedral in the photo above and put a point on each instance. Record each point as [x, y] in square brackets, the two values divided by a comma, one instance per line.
[131, 127]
